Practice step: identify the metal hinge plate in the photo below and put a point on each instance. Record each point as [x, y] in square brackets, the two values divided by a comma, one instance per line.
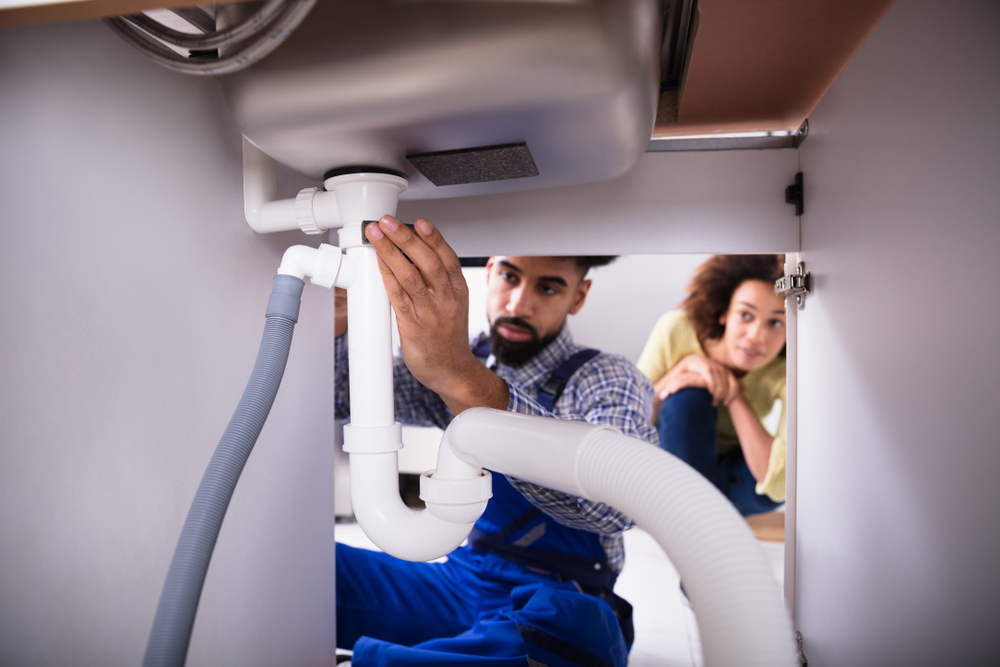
[797, 285]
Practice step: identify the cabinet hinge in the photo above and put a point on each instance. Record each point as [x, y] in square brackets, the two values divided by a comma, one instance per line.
[795, 194]
[797, 285]
[801, 651]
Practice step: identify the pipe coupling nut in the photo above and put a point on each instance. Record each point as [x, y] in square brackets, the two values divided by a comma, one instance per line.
[304, 211]
[456, 500]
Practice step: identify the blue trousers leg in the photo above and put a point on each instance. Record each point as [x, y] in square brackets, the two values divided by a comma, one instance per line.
[736, 481]
[397, 601]
[686, 423]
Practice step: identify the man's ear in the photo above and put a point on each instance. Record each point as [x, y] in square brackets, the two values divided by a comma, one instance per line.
[579, 297]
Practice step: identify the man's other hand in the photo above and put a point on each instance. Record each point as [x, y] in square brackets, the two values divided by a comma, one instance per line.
[424, 280]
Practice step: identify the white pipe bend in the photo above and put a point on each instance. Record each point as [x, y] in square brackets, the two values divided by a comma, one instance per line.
[414, 535]
[455, 493]
[325, 266]
[396, 529]
[313, 211]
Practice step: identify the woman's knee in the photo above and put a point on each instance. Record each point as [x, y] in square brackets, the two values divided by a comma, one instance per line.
[690, 403]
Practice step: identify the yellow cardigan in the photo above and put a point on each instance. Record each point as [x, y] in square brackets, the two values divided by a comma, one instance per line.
[672, 339]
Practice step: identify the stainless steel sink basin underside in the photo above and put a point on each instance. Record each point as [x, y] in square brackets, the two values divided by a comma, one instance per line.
[566, 89]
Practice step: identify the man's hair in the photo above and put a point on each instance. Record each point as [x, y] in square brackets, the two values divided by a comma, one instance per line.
[586, 262]
[711, 288]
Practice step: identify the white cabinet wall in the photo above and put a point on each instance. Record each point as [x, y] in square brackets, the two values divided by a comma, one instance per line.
[130, 317]
[899, 364]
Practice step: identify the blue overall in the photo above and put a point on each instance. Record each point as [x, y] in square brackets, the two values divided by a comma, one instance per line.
[526, 590]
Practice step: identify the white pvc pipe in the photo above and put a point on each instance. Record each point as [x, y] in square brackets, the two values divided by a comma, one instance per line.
[260, 190]
[325, 265]
[326, 210]
[414, 535]
[373, 436]
[368, 318]
[365, 196]
[725, 572]
[265, 213]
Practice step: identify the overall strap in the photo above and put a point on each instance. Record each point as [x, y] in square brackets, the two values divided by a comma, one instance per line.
[552, 388]
[589, 573]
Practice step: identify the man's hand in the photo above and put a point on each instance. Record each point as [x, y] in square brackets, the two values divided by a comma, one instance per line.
[431, 299]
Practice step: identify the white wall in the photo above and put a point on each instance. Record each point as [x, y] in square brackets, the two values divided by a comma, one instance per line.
[898, 537]
[627, 297]
[132, 307]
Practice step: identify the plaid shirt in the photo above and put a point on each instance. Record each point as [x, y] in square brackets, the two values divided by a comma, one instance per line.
[608, 389]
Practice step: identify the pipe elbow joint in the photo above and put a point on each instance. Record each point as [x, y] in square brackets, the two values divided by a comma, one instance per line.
[325, 266]
[413, 535]
[313, 211]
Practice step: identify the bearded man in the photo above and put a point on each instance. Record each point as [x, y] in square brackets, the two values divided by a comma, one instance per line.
[534, 584]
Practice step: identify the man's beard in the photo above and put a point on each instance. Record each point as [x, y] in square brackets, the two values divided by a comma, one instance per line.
[511, 353]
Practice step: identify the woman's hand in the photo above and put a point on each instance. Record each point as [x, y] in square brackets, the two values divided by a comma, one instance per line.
[671, 383]
[697, 371]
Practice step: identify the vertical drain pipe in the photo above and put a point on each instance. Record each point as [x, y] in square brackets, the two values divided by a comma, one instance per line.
[368, 196]
[373, 437]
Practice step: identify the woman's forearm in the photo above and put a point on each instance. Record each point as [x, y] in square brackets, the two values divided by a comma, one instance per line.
[754, 438]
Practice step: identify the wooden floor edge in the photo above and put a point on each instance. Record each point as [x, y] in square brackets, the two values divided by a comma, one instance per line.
[768, 527]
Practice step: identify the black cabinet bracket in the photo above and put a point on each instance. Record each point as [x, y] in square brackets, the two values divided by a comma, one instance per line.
[794, 194]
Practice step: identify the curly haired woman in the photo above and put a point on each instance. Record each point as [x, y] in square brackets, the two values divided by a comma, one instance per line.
[718, 367]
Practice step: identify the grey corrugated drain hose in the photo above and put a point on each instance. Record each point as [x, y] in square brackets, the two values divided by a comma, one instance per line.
[168, 641]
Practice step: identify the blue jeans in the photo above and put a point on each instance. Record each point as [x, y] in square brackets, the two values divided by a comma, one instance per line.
[686, 423]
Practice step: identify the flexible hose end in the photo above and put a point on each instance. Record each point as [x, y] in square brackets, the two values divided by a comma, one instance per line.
[286, 295]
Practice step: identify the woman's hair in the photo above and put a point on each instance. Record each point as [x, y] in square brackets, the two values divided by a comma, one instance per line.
[711, 288]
